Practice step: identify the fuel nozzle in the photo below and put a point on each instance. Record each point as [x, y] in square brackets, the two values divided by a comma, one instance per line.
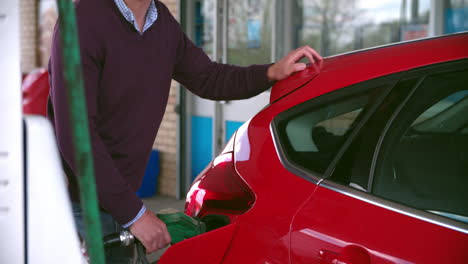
[179, 225]
[182, 226]
[124, 238]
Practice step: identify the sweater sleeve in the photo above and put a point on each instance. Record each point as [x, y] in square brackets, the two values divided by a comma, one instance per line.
[211, 80]
[114, 193]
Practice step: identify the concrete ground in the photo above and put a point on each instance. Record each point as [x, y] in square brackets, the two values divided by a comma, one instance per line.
[155, 204]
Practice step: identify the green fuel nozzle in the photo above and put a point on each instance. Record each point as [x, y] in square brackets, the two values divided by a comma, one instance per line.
[179, 225]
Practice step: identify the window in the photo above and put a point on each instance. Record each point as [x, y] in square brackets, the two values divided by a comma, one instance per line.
[436, 118]
[353, 167]
[312, 133]
[335, 26]
[249, 36]
[423, 160]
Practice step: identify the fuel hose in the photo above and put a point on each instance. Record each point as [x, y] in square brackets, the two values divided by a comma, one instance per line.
[73, 75]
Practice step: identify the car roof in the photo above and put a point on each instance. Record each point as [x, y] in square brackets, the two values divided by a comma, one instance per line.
[407, 54]
[401, 43]
[342, 70]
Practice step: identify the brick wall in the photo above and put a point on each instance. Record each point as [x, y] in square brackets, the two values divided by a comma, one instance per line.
[166, 141]
[28, 35]
[47, 17]
[172, 5]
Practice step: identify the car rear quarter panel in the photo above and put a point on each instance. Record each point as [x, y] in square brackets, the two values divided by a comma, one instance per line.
[205, 248]
[262, 235]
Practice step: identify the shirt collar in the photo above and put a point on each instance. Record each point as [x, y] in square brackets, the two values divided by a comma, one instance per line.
[151, 14]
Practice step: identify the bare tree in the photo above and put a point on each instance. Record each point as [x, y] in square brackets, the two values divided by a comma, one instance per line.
[334, 17]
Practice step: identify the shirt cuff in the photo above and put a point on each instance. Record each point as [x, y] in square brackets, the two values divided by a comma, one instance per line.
[140, 213]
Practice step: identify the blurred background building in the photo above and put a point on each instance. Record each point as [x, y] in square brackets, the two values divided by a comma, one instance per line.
[247, 32]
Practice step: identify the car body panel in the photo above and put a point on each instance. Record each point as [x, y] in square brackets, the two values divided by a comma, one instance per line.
[263, 232]
[35, 92]
[331, 221]
[205, 248]
[260, 175]
[348, 69]
[297, 80]
[298, 219]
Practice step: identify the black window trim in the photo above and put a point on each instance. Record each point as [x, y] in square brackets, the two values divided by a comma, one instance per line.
[386, 82]
[324, 181]
[368, 197]
[396, 207]
[307, 175]
[422, 74]
[382, 137]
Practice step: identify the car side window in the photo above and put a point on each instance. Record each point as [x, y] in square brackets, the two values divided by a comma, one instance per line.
[311, 133]
[423, 159]
[435, 119]
[353, 167]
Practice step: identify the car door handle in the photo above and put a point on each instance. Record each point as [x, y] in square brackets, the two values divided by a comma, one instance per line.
[329, 257]
[351, 254]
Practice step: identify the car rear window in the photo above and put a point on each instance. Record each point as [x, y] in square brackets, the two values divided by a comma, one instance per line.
[312, 133]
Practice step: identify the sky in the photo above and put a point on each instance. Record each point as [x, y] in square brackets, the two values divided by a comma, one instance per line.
[383, 10]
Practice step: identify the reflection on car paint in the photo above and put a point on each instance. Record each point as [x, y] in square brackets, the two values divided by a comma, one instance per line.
[242, 144]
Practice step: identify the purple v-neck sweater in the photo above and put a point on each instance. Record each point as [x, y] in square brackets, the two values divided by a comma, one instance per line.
[127, 80]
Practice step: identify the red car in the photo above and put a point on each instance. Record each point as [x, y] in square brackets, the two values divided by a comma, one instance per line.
[361, 159]
[35, 88]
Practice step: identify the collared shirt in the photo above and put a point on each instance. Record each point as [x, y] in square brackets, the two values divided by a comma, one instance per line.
[151, 15]
[140, 213]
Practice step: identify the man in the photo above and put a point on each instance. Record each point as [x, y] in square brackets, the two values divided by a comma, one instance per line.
[131, 49]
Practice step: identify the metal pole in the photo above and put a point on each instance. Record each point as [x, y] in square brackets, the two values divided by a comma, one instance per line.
[273, 30]
[436, 18]
[403, 12]
[72, 72]
[220, 13]
[224, 31]
[289, 27]
[414, 11]
[181, 111]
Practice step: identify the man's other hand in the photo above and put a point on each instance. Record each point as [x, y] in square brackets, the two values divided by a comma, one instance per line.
[151, 231]
[289, 63]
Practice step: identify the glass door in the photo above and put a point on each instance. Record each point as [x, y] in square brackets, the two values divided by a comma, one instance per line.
[234, 32]
[202, 27]
[249, 38]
